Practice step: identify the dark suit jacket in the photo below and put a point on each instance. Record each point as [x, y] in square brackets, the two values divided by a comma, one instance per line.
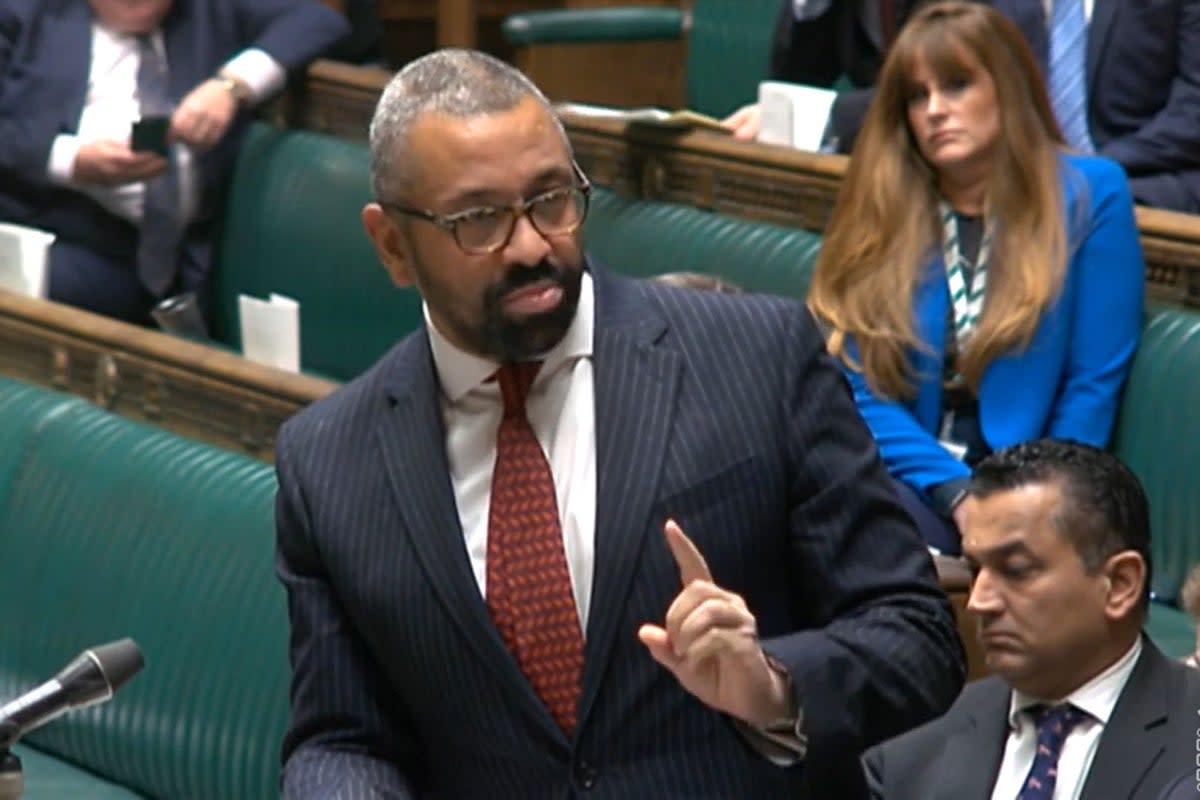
[1143, 78]
[723, 412]
[45, 56]
[1148, 742]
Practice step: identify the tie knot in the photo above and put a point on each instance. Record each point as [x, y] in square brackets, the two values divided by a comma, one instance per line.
[1056, 722]
[515, 380]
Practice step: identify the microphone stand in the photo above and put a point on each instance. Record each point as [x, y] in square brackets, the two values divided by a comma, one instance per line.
[12, 779]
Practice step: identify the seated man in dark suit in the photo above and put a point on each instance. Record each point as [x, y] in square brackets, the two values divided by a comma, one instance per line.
[819, 42]
[491, 540]
[1081, 704]
[1124, 77]
[133, 215]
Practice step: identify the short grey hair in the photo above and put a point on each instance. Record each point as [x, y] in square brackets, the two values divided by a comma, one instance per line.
[455, 82]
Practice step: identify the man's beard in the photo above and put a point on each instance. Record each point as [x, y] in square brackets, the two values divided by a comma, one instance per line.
[511, 340]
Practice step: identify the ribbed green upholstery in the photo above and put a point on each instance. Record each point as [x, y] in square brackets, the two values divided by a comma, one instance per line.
[22, 408]
[728, 44]
[49, 778]
[728, 51]
[292, 226]
[1158, 436]
[624, 24]
[644, 238]
[113, 528]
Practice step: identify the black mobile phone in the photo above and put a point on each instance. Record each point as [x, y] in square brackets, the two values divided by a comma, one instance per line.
[150, 135]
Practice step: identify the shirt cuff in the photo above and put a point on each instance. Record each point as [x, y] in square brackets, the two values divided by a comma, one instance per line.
[61, 165]
[263, 75]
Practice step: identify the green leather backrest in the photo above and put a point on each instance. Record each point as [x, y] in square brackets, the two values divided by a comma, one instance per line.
[113, 528]
[1158, 436]
[729, 47]
[644, 238]
[292, 227]
[22, 411]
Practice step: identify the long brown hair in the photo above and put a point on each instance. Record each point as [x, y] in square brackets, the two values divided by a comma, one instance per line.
[878, 242]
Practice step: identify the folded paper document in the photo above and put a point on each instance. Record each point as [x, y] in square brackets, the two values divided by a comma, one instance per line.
[657, 117]
[24, 254]
[271, 331]
[793, 114]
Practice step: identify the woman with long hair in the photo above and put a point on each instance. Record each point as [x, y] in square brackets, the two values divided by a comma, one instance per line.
[981, 284]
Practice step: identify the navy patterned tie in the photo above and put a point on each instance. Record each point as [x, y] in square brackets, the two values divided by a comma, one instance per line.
[162, 218]
[1054, 724]
[1068, 72]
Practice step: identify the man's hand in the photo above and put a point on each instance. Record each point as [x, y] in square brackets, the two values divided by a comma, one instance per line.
[111, 163]
[710, 643]
[204, 115]
[745, 122]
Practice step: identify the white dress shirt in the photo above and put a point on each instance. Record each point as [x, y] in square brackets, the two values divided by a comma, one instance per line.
[1097, 697]
[561, 411]
[111, 106]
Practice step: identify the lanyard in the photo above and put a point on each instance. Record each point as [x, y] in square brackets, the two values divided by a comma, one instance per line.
[966, 301]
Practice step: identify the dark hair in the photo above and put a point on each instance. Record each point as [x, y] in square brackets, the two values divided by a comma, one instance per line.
[1105, 510]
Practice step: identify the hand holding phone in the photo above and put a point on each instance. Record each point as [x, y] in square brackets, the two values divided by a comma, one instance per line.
[150, 135]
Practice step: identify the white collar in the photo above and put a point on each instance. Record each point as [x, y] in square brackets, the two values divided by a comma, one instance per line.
[459, 371]
[1098, 697]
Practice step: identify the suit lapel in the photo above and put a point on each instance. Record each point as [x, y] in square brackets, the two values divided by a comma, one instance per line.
[62, 38]
[1135, 736]
[972, 755]
[411, 438]
[1104, 14]
[636, 385]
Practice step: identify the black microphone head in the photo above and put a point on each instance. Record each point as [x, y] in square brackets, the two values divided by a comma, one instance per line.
[119, 661]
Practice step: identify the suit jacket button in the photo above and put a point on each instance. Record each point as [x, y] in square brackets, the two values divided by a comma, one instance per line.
[585, 775]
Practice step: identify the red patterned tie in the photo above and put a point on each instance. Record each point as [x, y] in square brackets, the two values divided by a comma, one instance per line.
[528, 585]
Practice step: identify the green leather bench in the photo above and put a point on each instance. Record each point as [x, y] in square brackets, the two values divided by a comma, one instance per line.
[112, 528]
[727, 42]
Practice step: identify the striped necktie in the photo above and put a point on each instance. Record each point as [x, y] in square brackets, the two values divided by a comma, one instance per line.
[1068, 72]
[162, 216]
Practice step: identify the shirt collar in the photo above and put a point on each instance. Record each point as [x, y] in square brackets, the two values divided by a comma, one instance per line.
[459, 371]
[1098, 697]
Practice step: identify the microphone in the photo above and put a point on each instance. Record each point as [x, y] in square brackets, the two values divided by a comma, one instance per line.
[91, 678]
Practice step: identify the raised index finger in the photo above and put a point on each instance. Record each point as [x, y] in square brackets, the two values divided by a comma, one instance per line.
[692, 566]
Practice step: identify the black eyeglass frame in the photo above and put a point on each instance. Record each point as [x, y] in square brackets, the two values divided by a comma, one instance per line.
[449, 222]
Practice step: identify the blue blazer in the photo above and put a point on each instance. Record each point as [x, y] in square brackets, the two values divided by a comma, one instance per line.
[722, 412]
[1067, 383]
[1143, 79]
[45, 56]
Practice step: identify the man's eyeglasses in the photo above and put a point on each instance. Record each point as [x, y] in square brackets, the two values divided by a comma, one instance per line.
[488, 229]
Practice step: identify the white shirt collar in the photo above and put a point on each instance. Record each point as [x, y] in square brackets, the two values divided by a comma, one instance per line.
[1098, 697]
[459, 371]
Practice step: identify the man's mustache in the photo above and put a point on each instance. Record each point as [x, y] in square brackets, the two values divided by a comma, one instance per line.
[520, 277]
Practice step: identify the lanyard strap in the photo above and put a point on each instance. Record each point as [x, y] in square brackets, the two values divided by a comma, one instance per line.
[966, 301]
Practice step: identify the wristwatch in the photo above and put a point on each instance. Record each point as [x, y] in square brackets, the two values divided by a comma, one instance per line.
[236, 88]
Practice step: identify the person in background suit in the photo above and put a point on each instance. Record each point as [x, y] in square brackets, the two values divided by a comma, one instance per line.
[820, 42]
[75, 76]
[1133, 71]
[981, 284]
[706, 557]
[1080, 703]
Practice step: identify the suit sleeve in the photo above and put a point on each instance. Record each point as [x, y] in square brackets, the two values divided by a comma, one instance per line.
[1170, 141]
[342, 743]
[293, 32]
[25, 136]
[1106, 318]
[887, 656]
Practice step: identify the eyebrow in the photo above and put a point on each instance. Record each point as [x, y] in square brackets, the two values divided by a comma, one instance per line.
[474, 198]
[998, 553]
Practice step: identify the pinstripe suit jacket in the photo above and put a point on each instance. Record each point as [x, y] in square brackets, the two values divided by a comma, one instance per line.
[720, 411]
